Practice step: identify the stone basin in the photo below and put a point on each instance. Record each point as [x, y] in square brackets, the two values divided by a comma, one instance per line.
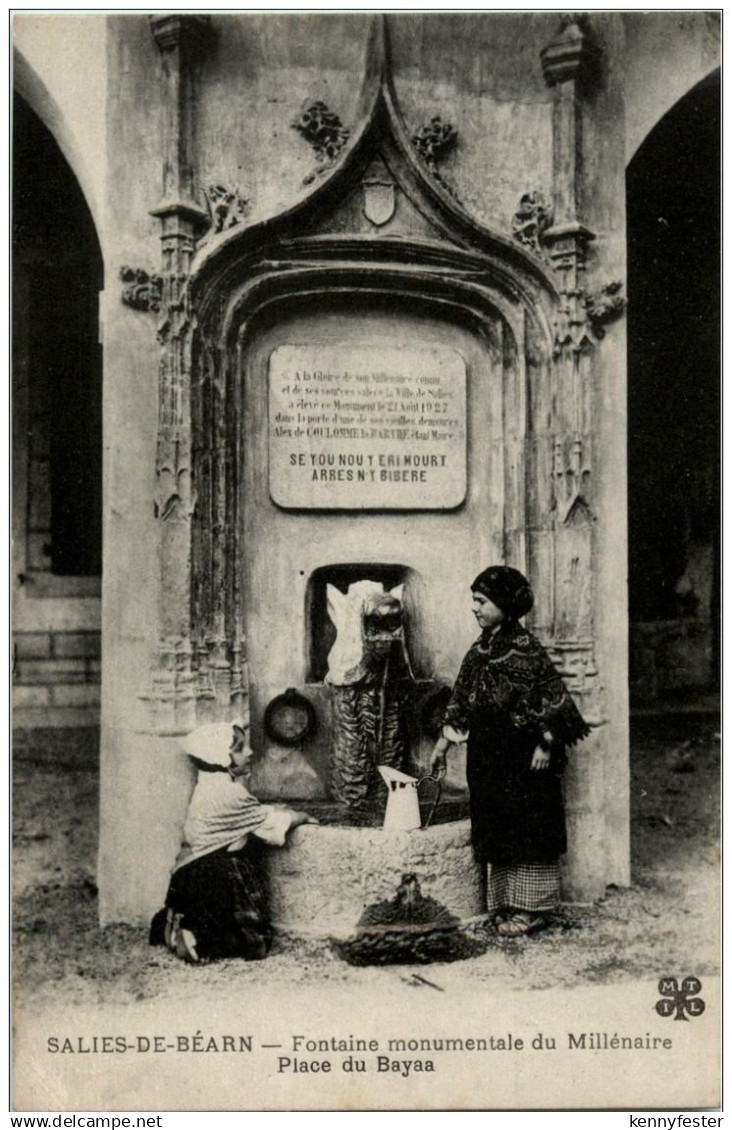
[324, 878]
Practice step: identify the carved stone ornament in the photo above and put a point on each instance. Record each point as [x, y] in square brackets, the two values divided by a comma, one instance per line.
[572, 330]
[531, 220]
[435, 140]
[578, 19]
[432, 143]
[567, 62]
[605, 306]
[174, 496]
[170, 29]
[325, 132]
[379, 194]
[141, 291]
[571, 473]
[575, 662]
[582, 317]
[227, 208]
[572, 55]
[290, 719]
[379, 200]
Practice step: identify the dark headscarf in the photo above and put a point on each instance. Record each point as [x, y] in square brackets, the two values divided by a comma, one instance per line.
[507, 589]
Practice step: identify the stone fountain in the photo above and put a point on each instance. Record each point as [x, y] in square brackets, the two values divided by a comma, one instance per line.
[329, 875]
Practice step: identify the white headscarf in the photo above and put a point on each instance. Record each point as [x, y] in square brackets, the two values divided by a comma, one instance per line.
[211, 743]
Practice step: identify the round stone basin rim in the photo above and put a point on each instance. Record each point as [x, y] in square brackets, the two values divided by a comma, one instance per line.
[369, 830]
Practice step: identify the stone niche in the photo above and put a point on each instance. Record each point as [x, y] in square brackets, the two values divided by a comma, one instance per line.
[320, 630]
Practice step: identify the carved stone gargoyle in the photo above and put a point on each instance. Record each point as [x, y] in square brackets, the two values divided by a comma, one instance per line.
[368, 669]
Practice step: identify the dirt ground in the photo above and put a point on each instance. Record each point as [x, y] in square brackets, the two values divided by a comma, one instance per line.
[667, 921]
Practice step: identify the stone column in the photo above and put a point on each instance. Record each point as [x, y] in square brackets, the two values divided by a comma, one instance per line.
[569, 63]
[180, 39]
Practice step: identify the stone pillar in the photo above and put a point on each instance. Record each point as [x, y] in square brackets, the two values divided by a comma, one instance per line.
[148, 693]
[172, 696]
[570, 64]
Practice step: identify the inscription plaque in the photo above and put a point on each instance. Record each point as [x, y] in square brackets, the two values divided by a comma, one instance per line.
[367, 427]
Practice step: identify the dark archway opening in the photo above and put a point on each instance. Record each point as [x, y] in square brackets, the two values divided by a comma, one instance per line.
[673, 206]
[57, 361]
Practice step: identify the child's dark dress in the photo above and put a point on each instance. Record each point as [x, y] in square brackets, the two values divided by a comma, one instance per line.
[222, 899]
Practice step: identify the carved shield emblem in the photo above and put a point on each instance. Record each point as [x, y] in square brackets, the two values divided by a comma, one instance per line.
[379, 201]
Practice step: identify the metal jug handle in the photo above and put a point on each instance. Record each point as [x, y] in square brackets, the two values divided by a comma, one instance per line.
[436, 780]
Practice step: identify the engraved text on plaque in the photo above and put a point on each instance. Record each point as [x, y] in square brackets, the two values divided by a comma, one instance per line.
[366, 427]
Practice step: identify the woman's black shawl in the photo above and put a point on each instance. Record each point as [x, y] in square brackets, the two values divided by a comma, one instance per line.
[509, 674]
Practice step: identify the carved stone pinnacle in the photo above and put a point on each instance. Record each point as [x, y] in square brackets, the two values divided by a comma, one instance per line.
[572, 55]
[169, 29]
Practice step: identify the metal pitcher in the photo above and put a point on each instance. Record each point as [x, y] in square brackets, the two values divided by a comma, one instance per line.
[402, 804]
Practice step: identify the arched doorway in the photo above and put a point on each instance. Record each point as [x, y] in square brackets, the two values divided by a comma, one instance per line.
[57, 414]
[674, 402]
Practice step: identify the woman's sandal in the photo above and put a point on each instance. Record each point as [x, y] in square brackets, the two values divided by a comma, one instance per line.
[185, 946]
[520, 925]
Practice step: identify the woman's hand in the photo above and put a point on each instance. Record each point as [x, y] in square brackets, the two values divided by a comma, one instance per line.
[438, 763]
[302, 818]
[541, 758]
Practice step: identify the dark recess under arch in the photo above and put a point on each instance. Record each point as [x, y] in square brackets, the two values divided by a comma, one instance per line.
[673, 199]
[58, 273]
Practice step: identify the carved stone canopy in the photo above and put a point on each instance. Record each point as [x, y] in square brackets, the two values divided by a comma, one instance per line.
[378, 228]
[382, 168]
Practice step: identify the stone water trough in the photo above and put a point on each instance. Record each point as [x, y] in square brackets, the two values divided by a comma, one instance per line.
[324, 879]
[349, 877]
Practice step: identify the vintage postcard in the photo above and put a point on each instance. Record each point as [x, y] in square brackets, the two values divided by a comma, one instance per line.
[366, 580]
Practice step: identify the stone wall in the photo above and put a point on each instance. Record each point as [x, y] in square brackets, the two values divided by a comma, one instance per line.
[56, 677]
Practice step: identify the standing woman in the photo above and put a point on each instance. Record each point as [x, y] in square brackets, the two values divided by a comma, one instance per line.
[511, 706]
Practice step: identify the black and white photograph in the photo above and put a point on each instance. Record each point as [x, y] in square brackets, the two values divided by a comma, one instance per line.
[366, 452]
